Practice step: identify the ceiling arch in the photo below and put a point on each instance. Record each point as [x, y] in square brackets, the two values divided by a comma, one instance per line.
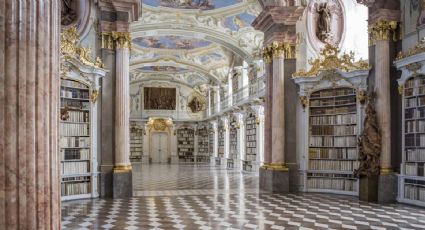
[174, 62]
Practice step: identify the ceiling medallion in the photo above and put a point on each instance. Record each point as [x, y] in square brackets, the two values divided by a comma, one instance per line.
[325, 23]
[330, 60]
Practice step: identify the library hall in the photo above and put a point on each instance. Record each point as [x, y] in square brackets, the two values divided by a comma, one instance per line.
[212, 114]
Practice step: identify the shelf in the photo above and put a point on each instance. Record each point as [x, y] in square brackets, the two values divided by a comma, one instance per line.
[76, 99]
[335, 114]
[332, 106]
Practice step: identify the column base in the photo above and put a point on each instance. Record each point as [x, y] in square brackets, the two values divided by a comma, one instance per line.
[368, 189]
[174, 159]
[122, 184]
[274, 180]
[106, 182]
[387, 188]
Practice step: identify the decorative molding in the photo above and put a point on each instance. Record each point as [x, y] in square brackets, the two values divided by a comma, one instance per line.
[330, 60]
[70, 47]
[419, 48]
[383, 31]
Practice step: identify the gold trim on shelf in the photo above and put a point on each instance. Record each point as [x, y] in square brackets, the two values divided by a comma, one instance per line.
[275, 166]
[383, 31]
[419, 48]
[70, 47]
[330, 60]
[362, 96]
[401, 90]
[304, 101]
[94, 95]
[122, 168]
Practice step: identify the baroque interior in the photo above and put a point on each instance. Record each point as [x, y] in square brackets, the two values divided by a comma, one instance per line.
[244, 114]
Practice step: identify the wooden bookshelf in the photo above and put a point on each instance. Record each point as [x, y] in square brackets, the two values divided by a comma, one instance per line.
[203, 146]
[211, 142]
[233, 142]
[221, 140]
[136, 142]
[75, 144]
[251, 142]
[412, 178]
[186, 144]
[333, 131]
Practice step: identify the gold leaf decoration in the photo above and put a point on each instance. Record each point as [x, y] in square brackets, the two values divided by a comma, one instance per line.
[70, 47]
[331, 60]
[419, 48]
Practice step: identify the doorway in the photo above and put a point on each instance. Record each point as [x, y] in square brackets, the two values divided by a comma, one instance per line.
[159, 150]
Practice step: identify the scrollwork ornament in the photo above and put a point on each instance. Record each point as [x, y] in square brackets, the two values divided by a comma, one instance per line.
[383, 31]
[304, 101]
[401, 90]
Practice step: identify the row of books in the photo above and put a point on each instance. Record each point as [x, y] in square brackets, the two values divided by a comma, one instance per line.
[414, 102]
[334, 165]
[332, 184]
[251, 150]
[333, 93]
[330, 153]
[412, 192]
[414, 113]
[74, 154]
[413, 82]
[74, 129]
[74, 142]
[415, 155]
[330, 141]
[340, 119]
[333, 101]
[78, 116]
[69, 168]
[420, 90]
[334, 130]
[414, 169]
[68, 189]
[74, 104]
[251, 144]
[251, 157]
[73, 84]
[417, 140]
[186, 135]
[415, 126]
[211, 143]
[337, 110]
[74, 93]
[185, 142]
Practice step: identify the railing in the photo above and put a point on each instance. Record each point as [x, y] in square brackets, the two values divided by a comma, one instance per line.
[175, 115]
[246, 94]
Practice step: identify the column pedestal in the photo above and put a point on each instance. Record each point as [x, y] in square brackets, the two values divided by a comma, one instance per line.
[123, 184]
[387, 192]
[274, 180]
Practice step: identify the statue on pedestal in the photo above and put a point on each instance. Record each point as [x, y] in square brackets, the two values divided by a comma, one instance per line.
[324, 22]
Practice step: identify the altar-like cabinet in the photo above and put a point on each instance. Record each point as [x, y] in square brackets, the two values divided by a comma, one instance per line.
[332, 98]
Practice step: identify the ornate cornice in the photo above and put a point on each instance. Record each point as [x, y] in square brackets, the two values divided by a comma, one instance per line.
[419, 48]
[383, 31]
[284, 50]
[331, 60]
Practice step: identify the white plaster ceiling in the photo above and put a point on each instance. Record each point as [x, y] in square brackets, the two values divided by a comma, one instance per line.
[193, 41]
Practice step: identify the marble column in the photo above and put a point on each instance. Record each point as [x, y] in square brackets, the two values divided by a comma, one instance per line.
[268, 112]
[122, 176]
[29, 114]
[383, 31]
[278, 108]
[122, 107]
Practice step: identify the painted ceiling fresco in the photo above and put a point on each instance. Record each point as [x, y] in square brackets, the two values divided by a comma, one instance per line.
[170, 42]
[192, 4]
[161, 69]
[239, 21]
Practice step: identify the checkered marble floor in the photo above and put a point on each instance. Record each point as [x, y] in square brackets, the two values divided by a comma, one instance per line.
[228, 203]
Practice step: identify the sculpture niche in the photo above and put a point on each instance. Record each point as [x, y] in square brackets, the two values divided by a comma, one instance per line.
[324, 23]
[369, 154]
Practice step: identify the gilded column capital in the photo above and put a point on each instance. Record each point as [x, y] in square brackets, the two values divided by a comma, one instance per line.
[276, 49]
[383, 30]
[113, 40]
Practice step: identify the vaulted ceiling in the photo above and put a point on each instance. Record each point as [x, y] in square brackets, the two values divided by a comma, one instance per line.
[193, 42]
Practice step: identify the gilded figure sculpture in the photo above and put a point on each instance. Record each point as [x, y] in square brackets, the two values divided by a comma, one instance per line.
[369, 143]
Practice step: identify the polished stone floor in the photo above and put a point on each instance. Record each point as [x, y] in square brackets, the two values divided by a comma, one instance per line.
[204, 197]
